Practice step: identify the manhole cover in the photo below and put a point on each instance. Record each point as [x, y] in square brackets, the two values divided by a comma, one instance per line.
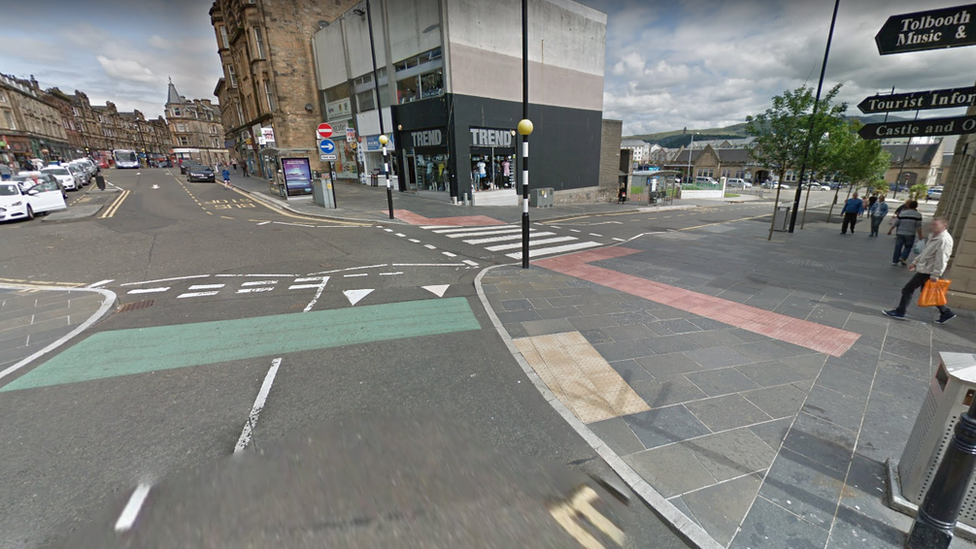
[136, 305]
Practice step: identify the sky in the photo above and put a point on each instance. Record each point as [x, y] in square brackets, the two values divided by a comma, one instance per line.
[670, 64]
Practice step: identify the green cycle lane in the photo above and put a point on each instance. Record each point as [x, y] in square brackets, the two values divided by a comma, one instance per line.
[140, 350]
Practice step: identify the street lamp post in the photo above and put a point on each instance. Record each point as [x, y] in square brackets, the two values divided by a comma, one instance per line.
[691, 149]
[386, 174]
[379, 108]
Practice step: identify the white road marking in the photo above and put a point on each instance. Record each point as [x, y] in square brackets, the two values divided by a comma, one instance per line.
[556, 249]
[469, 229]
[263, 223]
[436, 227]
[574, 230]
[401, 235]
[469, 262]
[414, 240]
[101, 283]
[428, 265]
[596, 235]
[438, 289]
[449, 254]
[311, 279]
[303, 286]
[355, 296]
[355, 275]
[259, 402]
[196, 294]
[148, 290]
[318, 294]
[349, 269]
[388, 230]
[392, 274]
[503, 238]
[259, 283]
[484, 233]
[531, 243]
[255, 290]
[164, 280]
[430, 246]
[294, 224]
[619, 239]
[131, 510]
[265, 275]
[206, 286]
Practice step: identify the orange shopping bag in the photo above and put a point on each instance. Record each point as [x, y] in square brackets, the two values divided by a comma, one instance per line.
[934, 293]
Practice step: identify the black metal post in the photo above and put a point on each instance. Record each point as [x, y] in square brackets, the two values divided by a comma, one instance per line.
[940, 508]
[525, 135]
[379, 110]
[813, 119]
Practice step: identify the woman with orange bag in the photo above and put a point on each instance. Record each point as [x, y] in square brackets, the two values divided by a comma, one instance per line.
[928, 266]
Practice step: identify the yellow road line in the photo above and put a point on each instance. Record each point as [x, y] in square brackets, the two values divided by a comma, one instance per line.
[114, 207]
[279, 211]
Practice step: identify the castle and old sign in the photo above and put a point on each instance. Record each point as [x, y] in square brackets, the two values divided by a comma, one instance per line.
[928, 30]
[920, 128]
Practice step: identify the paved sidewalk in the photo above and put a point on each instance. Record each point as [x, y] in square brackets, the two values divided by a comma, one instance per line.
[754, 385]
[365, 203]
[31, 319]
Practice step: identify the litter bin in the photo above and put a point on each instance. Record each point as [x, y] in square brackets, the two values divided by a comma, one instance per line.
[950, 393]
[541, 197]
[100, 182]
[782, 219]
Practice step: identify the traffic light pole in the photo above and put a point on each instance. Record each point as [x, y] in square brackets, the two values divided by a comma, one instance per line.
[525, 128]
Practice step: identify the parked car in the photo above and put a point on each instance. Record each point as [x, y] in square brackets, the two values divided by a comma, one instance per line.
[935, 193]
[737, 183]
[17, 202]
[187, 164]
[5, 172]
[79, 174]
[29, 179]
[63, 176]
[898, 188]
[201, 173]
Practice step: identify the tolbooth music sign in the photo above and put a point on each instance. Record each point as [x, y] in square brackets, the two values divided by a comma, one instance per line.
[928, 30]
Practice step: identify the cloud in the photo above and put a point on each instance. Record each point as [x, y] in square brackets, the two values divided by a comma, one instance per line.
[126, 69]
[159, 42]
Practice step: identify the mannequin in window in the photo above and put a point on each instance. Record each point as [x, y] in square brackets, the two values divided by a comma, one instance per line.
[482, 174]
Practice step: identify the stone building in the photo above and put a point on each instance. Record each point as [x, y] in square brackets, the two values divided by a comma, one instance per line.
[196, 128]
[718, 163]
[30, 127]
[922, 163]
[63, 103]
[958, 206]
[265, 51]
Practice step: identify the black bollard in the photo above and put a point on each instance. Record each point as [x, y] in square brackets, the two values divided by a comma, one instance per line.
[940, 508]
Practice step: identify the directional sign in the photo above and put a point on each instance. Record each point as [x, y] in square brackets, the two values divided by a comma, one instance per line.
[921, 128]
[327, 146]
[928, 30]
[324, 131]
[923, 100]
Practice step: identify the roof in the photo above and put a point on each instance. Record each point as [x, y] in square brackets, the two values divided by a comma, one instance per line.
[633, 143]
[918, 154]
[173, 96]
[732, 156]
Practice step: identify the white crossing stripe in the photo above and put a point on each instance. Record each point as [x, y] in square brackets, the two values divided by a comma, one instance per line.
[255, 290]
[468, 229]
[303, 286]
[260, 283]
[414, 240]
[483, 233]
[206, 287]
[556, 249]
[469, 262]
[503, 238]
[430, 246]
[532, 243]
[311, 279]
[449, 254]
[401, 235]
[131, 511]
[196, 294]
[148, 290]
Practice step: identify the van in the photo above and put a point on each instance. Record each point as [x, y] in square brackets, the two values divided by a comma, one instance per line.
[737, 183]
[705, 181]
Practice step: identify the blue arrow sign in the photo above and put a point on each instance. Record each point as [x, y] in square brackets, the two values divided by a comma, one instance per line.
[327, 146]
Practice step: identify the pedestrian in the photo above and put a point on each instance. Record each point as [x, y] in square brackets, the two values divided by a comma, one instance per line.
[244, 169]
[853, 207]
[234, 163]
[928, 265]
[871, 202]
[226, 175]
[877, 211]
[907, 226]
[903, 207]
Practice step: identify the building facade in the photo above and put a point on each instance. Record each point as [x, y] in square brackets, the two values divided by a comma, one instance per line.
[30, 126]
[958, 207]
[922, 164]
[264, 48]
[450, 87]
[196, 128]
[718, 163]
[640, 150]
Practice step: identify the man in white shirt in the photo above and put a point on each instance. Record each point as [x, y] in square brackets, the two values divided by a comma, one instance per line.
[928, 265]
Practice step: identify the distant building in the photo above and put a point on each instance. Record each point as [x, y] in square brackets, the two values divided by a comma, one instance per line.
[30, 126]
[922, 164]
[640, 150]
[718, 163]
[196, 127]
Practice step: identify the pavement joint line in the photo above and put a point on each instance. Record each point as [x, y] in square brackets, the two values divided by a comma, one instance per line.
[107, 303]
[131, 510]
[259, 402]
[685, 526]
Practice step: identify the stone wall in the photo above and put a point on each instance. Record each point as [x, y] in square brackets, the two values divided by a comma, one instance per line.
[609, 155]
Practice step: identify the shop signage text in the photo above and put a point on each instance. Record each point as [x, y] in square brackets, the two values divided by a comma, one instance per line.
[928, 30]
[427, 138]
[485, 137]
[922, 128]
[923, 100]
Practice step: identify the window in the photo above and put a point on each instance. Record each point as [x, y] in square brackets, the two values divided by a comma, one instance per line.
[259, 42]
[269, 95]
[9, 118]
[408, 89]
[181, 128]
[184, 140]
[224, 42]
[365, 101]
[209, 116]
[240, 113]
[432, 84]
[176, 112]
[231, 76]
[3, 97]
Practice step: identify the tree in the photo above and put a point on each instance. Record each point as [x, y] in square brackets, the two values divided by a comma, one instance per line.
[919, 191]
[785, 131]
[854, 159]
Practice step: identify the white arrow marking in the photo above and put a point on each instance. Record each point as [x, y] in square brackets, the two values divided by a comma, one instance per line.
[438, 289]
[354, 296]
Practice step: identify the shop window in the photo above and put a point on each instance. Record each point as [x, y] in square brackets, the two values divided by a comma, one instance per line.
[408, 89]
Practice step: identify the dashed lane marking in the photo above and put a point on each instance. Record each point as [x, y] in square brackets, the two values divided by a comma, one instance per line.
[131, 510]
[196, 294]
[148, 290]
[206, 286]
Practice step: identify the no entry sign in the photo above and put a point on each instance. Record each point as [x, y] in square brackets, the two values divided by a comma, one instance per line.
[324, 131]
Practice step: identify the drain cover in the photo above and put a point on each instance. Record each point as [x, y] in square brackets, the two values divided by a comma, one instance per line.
[136, 305]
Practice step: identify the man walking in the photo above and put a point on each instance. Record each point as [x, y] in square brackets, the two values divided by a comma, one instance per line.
[907, 226]
[853, 207]
[928, 265]
[877, 211]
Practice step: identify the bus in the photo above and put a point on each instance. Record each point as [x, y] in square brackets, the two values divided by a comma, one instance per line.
[126, 159]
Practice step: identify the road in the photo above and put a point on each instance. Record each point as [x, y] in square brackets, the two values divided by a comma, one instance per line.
[215, 288]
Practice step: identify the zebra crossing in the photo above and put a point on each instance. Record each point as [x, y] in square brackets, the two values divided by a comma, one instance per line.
[507, 239]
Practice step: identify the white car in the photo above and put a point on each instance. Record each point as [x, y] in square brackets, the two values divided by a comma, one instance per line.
[80, 175]
[85, 166]
[737, 183]
[64, 176]
[18, 203]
